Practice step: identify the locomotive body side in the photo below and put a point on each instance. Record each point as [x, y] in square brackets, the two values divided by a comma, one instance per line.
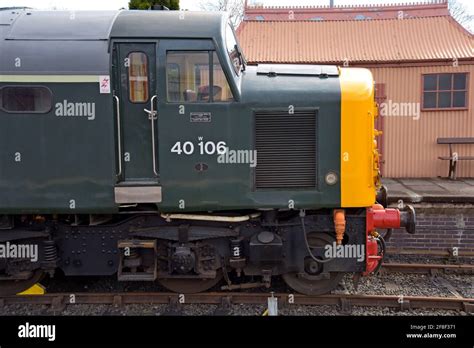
[59, 155]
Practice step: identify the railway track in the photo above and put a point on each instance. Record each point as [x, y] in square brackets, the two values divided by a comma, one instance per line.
[58, 301]
[448, 253]
[427, 268]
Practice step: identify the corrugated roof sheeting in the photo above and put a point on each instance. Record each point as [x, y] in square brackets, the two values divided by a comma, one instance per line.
[348, 12]
[362, 41]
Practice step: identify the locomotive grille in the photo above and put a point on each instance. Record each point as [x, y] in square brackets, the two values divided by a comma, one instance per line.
[286, 147]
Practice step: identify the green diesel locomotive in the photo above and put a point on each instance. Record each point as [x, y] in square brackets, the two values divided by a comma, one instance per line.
[141, 144]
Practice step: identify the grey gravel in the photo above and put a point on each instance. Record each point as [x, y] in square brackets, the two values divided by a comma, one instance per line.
[210, 310]
[397, 258]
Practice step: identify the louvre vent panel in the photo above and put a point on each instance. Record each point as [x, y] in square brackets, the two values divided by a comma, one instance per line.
[286, 149]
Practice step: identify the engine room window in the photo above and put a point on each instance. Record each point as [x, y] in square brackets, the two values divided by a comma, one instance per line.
[138, 77]
[189, 78]
[26, 99]
[231, 43]
[445, 91]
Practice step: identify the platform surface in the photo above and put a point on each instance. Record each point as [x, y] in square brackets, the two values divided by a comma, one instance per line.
[430, 190]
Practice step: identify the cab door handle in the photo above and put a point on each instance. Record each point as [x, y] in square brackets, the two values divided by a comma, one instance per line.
[152, 116]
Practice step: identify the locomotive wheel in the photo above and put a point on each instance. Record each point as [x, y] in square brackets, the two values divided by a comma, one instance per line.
[190, 286]
[13, 287]
[314, 287]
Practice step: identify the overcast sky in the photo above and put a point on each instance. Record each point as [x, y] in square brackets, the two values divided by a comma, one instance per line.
[187, 4]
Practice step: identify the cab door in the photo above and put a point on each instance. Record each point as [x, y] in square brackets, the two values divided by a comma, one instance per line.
[198, 120]
[135, 95]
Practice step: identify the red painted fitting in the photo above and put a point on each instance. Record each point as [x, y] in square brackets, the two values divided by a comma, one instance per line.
[378, 217]
[373, 258]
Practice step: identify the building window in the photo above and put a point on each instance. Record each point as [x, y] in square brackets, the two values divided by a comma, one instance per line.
[16, 99]
[445, 91]
[190, 79]
[138, 77]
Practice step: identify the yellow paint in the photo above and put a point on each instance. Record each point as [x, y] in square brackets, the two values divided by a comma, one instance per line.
[359, 157]
[49, 78]
[36, 289]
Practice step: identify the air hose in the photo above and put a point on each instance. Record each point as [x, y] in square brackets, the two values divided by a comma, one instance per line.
[380, 240]
[388, 234]
[305, 237]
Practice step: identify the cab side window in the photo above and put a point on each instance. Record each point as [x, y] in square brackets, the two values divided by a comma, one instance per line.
[220, 82]
[190, 78]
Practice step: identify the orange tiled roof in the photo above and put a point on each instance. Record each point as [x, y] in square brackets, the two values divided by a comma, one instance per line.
[360, 41]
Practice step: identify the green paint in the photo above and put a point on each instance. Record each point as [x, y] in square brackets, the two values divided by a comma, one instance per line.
[73, 158]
